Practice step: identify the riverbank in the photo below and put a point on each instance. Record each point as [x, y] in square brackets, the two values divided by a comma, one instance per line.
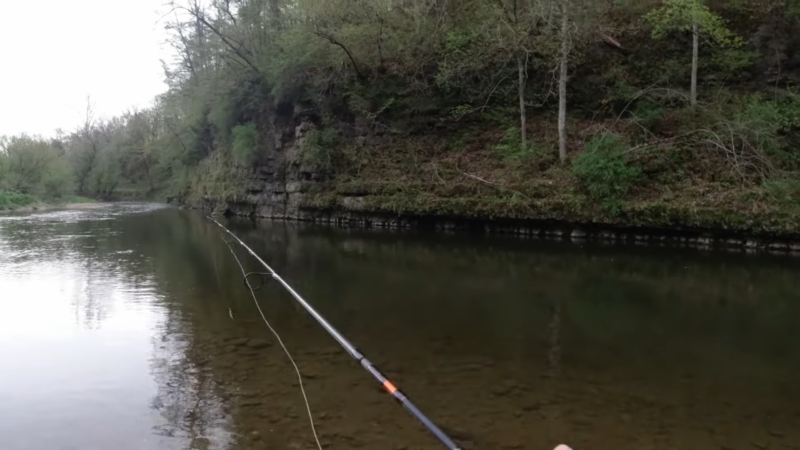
[701, 228]
[50, 207]
[15, 200]
[677, 201]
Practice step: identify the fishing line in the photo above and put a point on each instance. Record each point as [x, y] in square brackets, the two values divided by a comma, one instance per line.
[350, 348]
[277, 336]
[246, 279]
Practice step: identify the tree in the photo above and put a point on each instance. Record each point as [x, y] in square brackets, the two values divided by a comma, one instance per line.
[31, 165]
[84, 147]
[522, 20]
[690, 16]
[562, 82]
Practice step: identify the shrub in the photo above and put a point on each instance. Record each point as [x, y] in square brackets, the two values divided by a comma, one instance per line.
[783, 190]
[511, 149]
[648, 113]
[789, 111]
[734, 63]
[13, 200]
[245, 144]
[319, 149]
[746, 132]
[604, 171]
[459, 111]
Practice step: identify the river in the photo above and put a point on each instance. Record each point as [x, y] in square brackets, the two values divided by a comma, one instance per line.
[129, 327]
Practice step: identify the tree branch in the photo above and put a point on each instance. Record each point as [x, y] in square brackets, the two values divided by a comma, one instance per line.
[228, 41]
[335, 42]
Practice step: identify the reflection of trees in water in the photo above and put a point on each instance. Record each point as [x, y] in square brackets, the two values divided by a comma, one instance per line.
[109, 260]
[93, 300]
[186, 261]
[610, 308]
[186, 391]
[554, 333]
[78, 251]
[193, 271]
[634, 312]
[182, 256]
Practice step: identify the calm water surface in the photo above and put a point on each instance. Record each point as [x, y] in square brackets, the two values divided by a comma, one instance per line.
[128, 327]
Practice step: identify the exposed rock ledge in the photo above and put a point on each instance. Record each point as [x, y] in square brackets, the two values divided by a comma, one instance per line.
[356, 211]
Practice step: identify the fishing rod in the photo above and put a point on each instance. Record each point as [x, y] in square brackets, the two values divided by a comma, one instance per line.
[358, 356]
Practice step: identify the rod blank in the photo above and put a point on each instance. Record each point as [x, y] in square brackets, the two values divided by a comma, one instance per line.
[350, 348]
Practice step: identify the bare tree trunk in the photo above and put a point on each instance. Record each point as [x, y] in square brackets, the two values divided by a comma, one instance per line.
[523, 122]
[550, 8]
[147, 172]
[330, 38]
[562, 84]
[695, 57]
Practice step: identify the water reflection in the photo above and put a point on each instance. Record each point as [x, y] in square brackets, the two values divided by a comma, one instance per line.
[129, 327]
[78, 308]
[533, 344]
[186, 393]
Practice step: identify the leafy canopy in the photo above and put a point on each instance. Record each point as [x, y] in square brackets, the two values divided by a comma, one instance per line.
[683, 15]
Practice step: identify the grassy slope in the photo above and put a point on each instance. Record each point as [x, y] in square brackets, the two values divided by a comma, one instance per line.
[462, 174]
[411, 157]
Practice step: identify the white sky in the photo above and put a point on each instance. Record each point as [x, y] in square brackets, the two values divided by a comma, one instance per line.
[55, 53]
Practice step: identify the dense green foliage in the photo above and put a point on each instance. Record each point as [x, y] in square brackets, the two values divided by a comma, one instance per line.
[245, 143]
[682, 15]
[434, 94]
[603, 170]
[14, 200]
[32, 166]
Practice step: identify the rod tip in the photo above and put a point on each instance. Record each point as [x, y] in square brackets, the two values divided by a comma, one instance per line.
[562, 447]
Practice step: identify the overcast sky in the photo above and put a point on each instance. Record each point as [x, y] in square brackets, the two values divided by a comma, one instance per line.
[55, 53]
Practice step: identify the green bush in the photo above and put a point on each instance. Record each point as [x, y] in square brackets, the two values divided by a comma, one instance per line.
[783, 190]
[733, 63]
[756, 127]
[460, 58]
[789, 109]
[318, 149]
[222, 116]
[649, 113]
[511, 149]
[510, 146]
[604, 171]
[14, 200]
[459, 111]
[245, 144]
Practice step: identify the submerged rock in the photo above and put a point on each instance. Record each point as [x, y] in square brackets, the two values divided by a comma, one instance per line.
[200, 444]
[578, 234]
[258, 344]
[779, 246]
[239, 342]
[251, 402]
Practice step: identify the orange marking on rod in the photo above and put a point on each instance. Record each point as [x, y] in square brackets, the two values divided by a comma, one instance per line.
[389, 387]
